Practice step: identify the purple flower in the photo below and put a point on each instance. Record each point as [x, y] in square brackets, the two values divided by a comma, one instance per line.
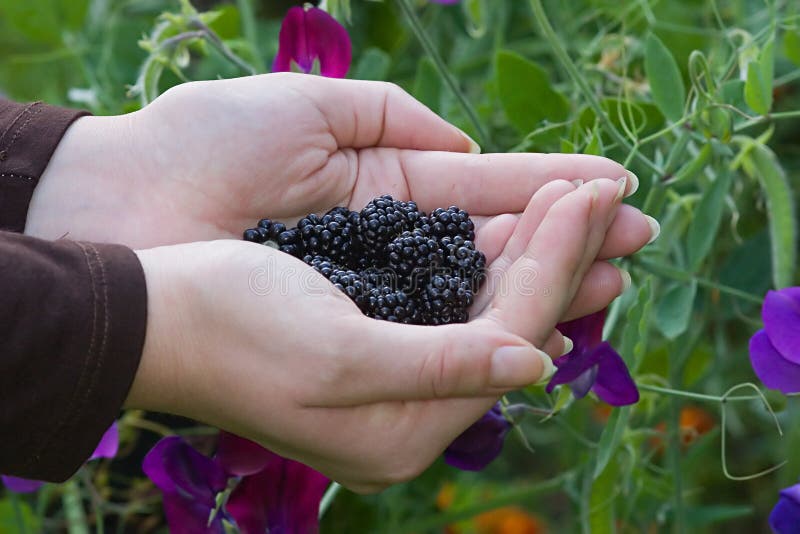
[785, 517]
[775, 350]
[481, 443]
[274, 494]
[309, 35]
[107, 448]
[190, 483]
[282, 498]
[593, 364]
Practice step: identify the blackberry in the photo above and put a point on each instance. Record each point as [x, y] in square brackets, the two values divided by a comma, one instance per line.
[382, 220]
[413, 252]
[445, 299]
[450, 222]
[275, 234]
[389, 304]
[463, 260]
[329, 235]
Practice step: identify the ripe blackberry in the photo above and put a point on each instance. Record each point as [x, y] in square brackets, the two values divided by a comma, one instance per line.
[329, 235]
[445, 299]
[413, 252]
[463, 260]
[275, 235]
[382, 220]
[450, 222]
[396, 306]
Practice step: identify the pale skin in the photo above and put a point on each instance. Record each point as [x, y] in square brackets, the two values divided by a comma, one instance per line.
[297, 368]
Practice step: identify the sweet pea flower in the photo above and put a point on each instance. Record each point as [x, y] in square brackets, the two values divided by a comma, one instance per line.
[106, 448]
[190, 483]
[775, 349]
[785, 517]
[481, 443]
[593, 364]
[312, 34]
[273, 494]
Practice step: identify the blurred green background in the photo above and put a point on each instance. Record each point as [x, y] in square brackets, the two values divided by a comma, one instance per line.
[662, 85]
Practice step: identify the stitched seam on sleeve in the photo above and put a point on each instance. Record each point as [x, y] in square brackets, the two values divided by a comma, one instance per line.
[13, 122]
[20, 176]
[32, 114]
[71, 406]
[101, 354]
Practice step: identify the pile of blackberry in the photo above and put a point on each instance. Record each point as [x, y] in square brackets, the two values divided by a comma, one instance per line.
[394, 261]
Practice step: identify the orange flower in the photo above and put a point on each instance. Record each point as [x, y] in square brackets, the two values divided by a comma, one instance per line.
[693, 423]
[508, 520]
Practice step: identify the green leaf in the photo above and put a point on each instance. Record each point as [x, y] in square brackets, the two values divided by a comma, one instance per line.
[476, 15]
[374, 64]
[17, 516]
[602, 499]
[666, 84]
[694, 167]
[791, 45]
[705, 515]
[595, 145]
[634, 338]
[525, 92]
[707, 218]
[758, 87]
[611, 438]
[674, 309]
[428, 85]
[762, 164]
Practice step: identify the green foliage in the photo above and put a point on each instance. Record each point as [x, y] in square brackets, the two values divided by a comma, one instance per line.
[699, 99]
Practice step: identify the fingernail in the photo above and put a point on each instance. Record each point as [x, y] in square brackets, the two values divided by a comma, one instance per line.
[621, 183]
[655, 228]
[626, 279]
[634, 180]
[568, 346]
[577, 183]
[548, 367]
[474, 148]
[512, 366]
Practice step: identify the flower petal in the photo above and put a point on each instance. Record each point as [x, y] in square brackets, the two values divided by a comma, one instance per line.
[614, 384]
[109, 443]
[481, 443]
[188, 516]
[176, 467]
[239, 456]
[572, 366]
[312, 34]
[20, 485]
[781, 314]
[771, 367]
[583, 384]
[785, 516]
[283, 498]
[586, 332]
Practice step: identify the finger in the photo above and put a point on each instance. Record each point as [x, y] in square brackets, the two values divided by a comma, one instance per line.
[405, 362]
[542, 281]
[602, 284]
[491, 234]
[557, 344]
[630, 231]
[379, 114]
[517, 243]
[486, 184]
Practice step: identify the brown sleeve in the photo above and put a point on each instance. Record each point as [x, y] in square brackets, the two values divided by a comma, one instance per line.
[29, 134]
[72, 327]
[72, 316]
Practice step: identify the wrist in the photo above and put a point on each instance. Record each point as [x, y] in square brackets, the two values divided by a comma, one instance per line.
[82, 190]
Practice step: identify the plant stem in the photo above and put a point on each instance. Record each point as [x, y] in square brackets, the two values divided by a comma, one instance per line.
[695, 396]
[19, 518]
[73, 509]
[583, 85]
[676, 274]
[767, 118]
[444, 72]
[249, 29]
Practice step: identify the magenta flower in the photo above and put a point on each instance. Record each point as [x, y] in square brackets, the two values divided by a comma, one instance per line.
[785, 517]
[190, 483]
[775, 350]
[273, 494]
[593, 364]
[481, 443]
[312, 34]
[107, 448]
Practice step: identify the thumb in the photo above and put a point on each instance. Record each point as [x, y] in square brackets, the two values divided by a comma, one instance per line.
[407, 362]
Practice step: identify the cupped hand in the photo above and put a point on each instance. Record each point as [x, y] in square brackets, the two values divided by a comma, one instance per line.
[256, 342]
[208, 159]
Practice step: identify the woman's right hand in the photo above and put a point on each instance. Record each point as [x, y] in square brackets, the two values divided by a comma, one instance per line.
[257, 343]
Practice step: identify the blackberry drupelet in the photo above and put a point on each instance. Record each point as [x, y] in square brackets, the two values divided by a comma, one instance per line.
[464, 260]
[445, 299]
[389, 304]
[274, 234]
[413, 252]
[382, 220]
